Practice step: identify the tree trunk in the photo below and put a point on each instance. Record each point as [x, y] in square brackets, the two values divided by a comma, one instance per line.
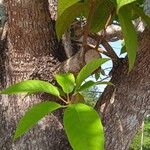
[124, 106]
[31, 45]
[31, 41]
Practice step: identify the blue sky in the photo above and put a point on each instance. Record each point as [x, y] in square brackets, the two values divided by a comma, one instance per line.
[117, 47]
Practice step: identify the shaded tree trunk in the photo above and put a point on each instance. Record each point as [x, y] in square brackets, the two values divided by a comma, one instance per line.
[31, 41]
[124, 106]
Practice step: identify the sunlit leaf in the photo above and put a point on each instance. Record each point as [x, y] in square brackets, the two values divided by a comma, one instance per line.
[33, 115]
[90, 84]
[66, 81]
[86, 85]
[83, 127]
[88, 69]
[31, 86]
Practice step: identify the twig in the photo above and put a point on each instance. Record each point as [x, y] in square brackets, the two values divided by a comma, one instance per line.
[110, 51]
[68, 98]
[99, 39]
[63, 100]
[107, 77]
[87, 27]
[98, 49]
[95, 92]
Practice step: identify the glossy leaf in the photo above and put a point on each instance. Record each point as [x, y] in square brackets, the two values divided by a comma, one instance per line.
[31, 86]
[89, 84]
[33, 115]
[86, 85]
[88, 69]
[66, 81]
[83, 127]
[130, 36]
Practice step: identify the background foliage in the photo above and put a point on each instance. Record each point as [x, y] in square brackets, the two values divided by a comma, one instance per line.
[136, 143]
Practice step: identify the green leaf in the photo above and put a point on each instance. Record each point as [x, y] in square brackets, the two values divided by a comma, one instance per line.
[67, 17]
[61, 92]
[89, 84]
[33, 115]
[86, 85]
[65, 4]
[121, 3]
[123, 50]
[31, 86]
[66, 81]
[101, 15]
[129, 33]
[102, 71]
[83, 127]
[97, 76]
[88, 69]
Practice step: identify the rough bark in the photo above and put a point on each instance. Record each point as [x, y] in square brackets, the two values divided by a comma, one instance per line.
[33, 52]
[32, 45]
[124, 106]
[30, 41]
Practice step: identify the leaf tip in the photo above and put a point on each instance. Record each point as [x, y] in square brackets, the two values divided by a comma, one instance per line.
[15, 137]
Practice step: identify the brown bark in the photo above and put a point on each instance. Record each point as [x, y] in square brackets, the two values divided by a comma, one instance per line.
[124, 106]
[32, 52]
[31, 41]
[32, 45]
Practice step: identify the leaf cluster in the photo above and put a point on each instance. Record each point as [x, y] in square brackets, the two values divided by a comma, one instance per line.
[101, 13]
[78, 117]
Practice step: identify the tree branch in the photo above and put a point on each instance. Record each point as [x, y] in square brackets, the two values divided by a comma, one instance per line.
[113, 33]
[110, 51]
[92, 4]
[75, 63]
